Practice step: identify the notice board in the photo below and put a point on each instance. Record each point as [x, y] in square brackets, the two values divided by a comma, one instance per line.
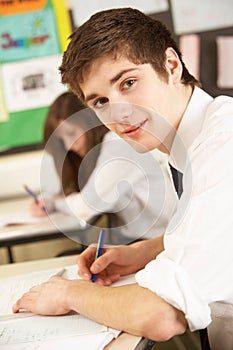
[33, 35]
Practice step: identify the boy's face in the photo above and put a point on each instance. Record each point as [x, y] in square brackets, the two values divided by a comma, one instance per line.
[132, 100]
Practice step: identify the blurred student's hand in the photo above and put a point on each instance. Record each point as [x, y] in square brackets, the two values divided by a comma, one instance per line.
[37, 209]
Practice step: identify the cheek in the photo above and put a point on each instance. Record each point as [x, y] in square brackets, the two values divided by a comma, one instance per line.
[104, 115]
[82, 145]
[82, 140]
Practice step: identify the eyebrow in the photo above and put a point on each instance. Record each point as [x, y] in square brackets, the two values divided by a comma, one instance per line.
[112, 81]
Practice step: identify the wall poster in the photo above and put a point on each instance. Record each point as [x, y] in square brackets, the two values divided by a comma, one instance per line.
[33, 35]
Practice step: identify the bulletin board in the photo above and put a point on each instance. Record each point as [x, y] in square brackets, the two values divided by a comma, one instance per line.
[33, 35]
[206, 28]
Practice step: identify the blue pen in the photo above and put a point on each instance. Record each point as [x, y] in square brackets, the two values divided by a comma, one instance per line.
[98, 251]
[32, 194]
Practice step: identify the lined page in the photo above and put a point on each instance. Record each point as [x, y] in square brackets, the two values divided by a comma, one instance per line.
[40, 328]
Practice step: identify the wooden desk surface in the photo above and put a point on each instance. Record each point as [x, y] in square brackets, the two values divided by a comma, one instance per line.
[124, 341]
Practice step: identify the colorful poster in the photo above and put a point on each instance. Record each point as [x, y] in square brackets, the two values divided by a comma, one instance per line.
[63, 22]
[32, 84]
[28, 35]
[33, 35]
[11, 7]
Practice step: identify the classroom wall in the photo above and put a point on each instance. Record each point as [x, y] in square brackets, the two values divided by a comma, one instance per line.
[17, 170]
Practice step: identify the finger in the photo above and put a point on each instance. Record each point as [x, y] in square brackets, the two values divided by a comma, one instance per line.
[23, 303]
[110, 256]
[17, 306]
[107, 280]
[84, 262]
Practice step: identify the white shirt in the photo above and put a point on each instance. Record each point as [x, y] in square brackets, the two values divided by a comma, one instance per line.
[135, 187]
[195, 271]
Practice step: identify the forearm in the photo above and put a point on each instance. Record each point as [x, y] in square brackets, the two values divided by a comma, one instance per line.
[148, 249]
[130, 308]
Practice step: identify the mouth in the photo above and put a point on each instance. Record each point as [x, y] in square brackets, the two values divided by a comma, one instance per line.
[134, 130]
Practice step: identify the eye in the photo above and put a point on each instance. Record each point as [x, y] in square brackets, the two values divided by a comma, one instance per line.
[128, 84]
[100, 102]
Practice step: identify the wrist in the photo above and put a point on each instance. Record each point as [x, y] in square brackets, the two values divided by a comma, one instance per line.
[74, 295]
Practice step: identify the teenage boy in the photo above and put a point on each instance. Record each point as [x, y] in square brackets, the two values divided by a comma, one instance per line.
[127, 67]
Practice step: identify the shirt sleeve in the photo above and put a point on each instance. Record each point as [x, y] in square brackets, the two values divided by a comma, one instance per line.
[196, 264]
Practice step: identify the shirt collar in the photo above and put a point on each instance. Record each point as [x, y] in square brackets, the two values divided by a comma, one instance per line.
[189, 128]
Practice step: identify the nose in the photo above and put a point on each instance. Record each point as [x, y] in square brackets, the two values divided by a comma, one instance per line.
[118, 112]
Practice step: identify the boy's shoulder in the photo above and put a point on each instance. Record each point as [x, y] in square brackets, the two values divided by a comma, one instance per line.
[219, 115]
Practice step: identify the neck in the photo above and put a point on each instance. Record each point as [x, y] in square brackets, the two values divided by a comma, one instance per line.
[182, 102]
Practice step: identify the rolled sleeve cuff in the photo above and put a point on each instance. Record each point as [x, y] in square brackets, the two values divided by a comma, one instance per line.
[171, 282]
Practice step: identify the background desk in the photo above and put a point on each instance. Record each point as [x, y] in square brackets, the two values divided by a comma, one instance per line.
[57, 227]
[123, 342]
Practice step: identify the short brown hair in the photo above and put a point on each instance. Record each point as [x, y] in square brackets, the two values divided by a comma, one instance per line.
[119, 32]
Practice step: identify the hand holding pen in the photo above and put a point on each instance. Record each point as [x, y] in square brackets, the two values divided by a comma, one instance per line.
[37, 208]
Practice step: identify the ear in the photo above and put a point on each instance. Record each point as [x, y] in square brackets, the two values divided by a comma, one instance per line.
[173, 65]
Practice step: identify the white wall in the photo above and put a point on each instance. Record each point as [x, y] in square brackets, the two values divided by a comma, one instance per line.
[17, 170]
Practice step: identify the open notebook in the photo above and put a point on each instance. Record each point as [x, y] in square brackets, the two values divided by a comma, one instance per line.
[20, 219]
[27, 331]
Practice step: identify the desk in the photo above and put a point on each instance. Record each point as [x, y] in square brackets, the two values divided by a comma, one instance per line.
[124, 341]
[54, 227]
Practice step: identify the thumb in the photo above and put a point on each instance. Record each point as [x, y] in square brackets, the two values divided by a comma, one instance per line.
[104, 261]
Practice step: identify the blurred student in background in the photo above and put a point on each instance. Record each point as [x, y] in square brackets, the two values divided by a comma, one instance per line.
[100, 173]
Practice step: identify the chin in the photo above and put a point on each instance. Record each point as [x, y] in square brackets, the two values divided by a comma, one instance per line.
[139, 147]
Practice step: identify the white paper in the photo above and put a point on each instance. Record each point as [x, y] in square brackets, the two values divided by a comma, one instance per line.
[32, 83]
[191, 16]
[91, 342]
[59, 220]
[49, 332]
[82, 10]
[40, 328]
[20, 218]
